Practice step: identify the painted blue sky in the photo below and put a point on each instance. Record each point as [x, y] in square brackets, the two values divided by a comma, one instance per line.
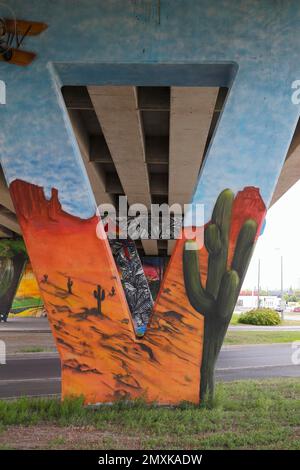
[259, 118]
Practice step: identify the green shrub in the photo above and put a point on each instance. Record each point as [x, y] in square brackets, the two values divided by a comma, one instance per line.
[260, 316]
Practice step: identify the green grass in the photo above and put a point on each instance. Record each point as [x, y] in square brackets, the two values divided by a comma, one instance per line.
[261, 337]
[57, 441]
[35, 349]
[244, 415]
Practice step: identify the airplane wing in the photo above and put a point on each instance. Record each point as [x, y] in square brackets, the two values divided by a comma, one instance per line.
[22, 27]
[20, 57]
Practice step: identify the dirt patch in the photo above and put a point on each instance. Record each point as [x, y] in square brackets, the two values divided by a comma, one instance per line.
[64, 438]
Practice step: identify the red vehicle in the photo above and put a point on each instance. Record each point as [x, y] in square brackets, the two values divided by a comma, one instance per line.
[296, 309]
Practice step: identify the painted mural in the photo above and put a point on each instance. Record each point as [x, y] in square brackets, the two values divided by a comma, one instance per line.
[13, 257]
[90, 317]
[101, 356]
[27, 301]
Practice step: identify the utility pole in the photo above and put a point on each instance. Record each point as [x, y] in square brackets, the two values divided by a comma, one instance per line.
[258, 283]
[281, 287]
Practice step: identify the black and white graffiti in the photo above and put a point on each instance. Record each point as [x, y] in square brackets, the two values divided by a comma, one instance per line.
[134, 281]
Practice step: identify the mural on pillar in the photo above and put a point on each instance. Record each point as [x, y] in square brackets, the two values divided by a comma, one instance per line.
[13, 257]
[91, 321]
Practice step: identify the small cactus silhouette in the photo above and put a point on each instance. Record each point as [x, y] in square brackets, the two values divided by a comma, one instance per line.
[99, 294]
[112, 292]
[70, 285]
[216, 300]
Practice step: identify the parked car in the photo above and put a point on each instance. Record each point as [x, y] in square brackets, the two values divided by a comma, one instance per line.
[296, 309]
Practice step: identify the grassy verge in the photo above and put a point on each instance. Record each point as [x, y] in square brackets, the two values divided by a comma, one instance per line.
[239, 419]
[36, 349]
[290, 323]
[261, 337]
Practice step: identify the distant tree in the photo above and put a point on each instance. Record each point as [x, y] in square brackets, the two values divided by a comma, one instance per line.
[291, 298]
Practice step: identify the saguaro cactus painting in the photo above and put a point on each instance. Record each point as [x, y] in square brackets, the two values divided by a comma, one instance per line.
[217, 299]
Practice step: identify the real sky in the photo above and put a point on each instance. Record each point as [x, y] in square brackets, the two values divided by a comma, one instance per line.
[281, 237]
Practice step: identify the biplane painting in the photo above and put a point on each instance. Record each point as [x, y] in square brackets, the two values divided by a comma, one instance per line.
[27, 301]
[12, 35]
[13, 257]
[89, 312]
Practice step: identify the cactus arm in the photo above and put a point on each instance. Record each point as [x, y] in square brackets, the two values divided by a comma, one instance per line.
[222, 210]
[212, 239]
[198, 297]
[103, 295]
[229, 289]
[217, 263]
[244, 246]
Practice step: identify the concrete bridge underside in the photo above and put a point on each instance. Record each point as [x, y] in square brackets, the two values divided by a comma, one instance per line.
[160, 133]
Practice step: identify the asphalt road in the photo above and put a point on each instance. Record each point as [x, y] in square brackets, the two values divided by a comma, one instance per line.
[39, 374]
[256, 362]
[33, 375]
[41, 325]
[25, 324]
